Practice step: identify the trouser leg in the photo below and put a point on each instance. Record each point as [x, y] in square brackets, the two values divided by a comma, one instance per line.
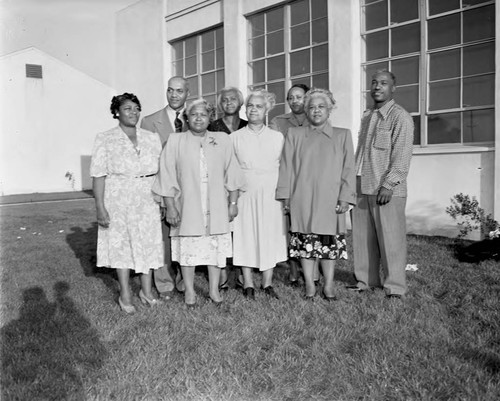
[164, 276]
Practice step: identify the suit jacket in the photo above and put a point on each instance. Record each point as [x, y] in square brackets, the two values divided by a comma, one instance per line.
[160, 123]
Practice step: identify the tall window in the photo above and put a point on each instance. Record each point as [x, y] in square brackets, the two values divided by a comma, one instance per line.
[443, 55]
[288, 45]
[200, 59]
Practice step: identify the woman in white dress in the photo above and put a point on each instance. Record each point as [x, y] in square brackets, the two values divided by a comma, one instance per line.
[199, 180]
[124, 164]
[259, 230]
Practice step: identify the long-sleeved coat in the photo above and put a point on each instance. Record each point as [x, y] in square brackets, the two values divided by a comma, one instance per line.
[316, 171]
[179, 177]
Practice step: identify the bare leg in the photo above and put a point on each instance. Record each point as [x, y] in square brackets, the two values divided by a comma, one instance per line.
[123, 279]
[223, 278]
[247, 277]
[188, 275]
[316, 270]
[146, 285]
[328, 267]
[294, 269]
[267, 278]
[308, 267]
[213, 283]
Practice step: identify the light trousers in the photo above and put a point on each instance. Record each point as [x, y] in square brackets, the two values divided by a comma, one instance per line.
[379, 238]
[165, 277]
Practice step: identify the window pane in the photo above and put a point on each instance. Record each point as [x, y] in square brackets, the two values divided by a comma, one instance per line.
[258, 71]
[207, 41]
[278, 88]
[405, 39]
[178, 67]
[177, 50]
[479, 59]
[320, 58]
[444, 31]
[275, 43]
[376, 15]
[300, 62]
[257, 47]
[193, 87]
[319, 8]
[274, 20]
[403, 10]
[320, 31]
[303, 80]
[219, 55]
[320, 81]
[191, 67]
[377, 45]
[208, 61]
[444, 128]
[406, 70]
[407, 96]
[445, 65]
[479, 24]
[275, 68]
[444, 95]
[440, 6]
[416, 132]
[299, 12]
[479, 91]
[219, 38]
[211, 99]
[256, 25]
[479, 126]
[300, 36]
[372, 69]
[208, 83]
[191, 47]
[220, 80]
[279, 109]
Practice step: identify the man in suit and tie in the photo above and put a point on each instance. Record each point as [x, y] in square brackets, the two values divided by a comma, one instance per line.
[164, 122]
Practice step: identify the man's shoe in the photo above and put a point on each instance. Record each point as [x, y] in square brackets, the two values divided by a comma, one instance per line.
[166, 295]
[249, 293]
[355, 288]
[394, 296]
[269, 290]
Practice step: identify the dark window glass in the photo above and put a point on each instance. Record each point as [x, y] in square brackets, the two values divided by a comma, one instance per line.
[300, 62]
[208, 83]
[220, 80]
[278, 88]
[479, 126]
[208, 61]
[479, 58]
[207, 41]
[444, 95]
[274, 20]
[275, 68]
[257, 25]
[441, 6]
[258, 71]
[219, 38]
[190, 48]
[190, 65]
[300, 36]
[303, 80]
[193, 87]
[320, 81]
[377, 45]
[319, 8]
[179, 67]
[275, 43]
[479, 24]
[406, 70]
[416, 131]
[257, 47]
[376, 15]
[299, 12]
[219, 56]
[407, 96]
[320, 58]
[404, 10]
[444, 128]
[405, 39]
[445, 65]
[444, 31]
[479, 91]
[319, 31]
[177, 49]
[279, 109]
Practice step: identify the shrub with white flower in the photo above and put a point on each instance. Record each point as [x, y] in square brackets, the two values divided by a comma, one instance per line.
[495, 234]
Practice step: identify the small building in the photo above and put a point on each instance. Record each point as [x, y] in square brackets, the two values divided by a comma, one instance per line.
[444, 54]
[51, 113]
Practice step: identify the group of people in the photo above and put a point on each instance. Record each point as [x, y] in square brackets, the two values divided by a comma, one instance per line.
[183, 191]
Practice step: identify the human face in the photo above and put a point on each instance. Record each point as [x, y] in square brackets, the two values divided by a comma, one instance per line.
[382, 88]
[128, 114]
[198, 119]
[256, 109]
[296, 100]
[230, 103]
[318, 110]
[177, 93]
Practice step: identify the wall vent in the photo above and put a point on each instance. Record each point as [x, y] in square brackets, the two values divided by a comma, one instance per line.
[34, 71]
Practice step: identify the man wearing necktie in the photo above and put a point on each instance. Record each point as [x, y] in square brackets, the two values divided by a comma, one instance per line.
[164, 122]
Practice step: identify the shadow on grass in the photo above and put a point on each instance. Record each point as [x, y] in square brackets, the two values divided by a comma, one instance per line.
[83, 242]
[50, 350]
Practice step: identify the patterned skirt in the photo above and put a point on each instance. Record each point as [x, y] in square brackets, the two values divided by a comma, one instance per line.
[318, 246]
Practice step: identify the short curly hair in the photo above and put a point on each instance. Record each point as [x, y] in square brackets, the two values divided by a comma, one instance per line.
[269, 97]
[325, 93]
[200, 102]
[118, 100]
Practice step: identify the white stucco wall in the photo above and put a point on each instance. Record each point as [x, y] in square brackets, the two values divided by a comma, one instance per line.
[48, 125]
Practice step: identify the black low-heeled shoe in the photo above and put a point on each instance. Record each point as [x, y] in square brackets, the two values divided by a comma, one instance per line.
[224, 286]
[269, 290]
[238, 283]
[326, 297]
[249, 293]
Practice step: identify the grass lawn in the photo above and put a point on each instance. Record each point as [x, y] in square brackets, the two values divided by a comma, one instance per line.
[63, 336]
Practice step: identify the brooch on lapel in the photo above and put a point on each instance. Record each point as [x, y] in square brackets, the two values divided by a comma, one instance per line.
[212, 141]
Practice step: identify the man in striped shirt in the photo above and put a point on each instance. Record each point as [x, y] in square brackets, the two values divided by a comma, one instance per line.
[383, 157]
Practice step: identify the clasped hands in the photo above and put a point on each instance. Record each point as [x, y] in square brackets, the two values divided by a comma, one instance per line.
[173, 217]
[342, 206]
